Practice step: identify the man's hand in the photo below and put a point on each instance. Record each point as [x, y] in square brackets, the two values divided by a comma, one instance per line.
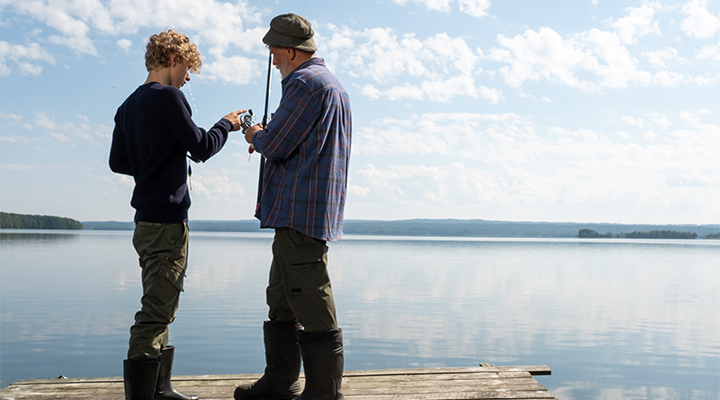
[234, 118]
[250, 132]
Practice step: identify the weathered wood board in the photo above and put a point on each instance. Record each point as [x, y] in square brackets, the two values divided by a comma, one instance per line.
[399, 384]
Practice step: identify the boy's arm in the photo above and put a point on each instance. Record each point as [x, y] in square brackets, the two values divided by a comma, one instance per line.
[200, 143]
[119, 159]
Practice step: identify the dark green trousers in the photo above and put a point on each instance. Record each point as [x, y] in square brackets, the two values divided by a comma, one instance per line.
[162, 251]
[299, 286]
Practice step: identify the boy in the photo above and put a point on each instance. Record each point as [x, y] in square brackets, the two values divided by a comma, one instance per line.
[153, 133]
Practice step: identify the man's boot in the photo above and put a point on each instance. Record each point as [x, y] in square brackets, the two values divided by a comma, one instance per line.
[323, 360]
[282, 360]
[140, 378]
[164, 389]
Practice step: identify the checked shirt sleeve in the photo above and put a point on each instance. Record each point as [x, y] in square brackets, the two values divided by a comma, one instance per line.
[291, 124]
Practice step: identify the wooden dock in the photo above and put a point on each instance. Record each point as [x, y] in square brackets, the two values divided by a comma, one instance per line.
[487, 382]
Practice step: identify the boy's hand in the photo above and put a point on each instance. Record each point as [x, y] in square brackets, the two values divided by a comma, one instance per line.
[234, 118]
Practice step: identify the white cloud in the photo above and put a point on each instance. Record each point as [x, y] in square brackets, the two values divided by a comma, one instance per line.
[659, 57]
[700, 23]
[506, 160]
[494, 96]
[216, 187]
[124, 44]
[438, 68]
[370, 91]
[44, 121]
[20, 53]
[709, 52]
[546, 55]
[238, 70]
[661, 121]
[474, 8]
[620, 68]
[707, 81]
[75, 23]
[59, 16]
[30, 69]
[668, 78]
[406, 91]
[543, 54]
[445, 90]
[633, 121]
[60, 137]
[638, 22]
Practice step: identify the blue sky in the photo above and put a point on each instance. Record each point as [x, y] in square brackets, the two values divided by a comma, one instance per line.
[583, 111]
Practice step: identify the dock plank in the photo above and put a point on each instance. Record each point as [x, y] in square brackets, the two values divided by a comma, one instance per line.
[472, 383]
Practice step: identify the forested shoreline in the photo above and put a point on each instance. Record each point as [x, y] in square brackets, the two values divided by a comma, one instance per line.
[655, 234]
[445, 228]
[29, 221]
[414, 227]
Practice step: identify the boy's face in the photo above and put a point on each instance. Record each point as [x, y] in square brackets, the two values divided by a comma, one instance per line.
[179, 74]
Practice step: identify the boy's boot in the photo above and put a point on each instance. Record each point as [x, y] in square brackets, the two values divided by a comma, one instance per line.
[140, 378]
[323, 360]
[164, 389]
[282, 360]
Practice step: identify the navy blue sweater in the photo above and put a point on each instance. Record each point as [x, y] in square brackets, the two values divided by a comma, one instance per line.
[153, 133]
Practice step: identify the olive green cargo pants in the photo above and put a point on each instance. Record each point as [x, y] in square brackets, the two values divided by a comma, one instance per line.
[299, 286]
[162, 251]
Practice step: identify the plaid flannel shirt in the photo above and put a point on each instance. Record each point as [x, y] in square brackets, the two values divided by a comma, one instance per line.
[307, 147]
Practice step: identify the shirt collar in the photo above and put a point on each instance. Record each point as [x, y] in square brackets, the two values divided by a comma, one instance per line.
[312, 61]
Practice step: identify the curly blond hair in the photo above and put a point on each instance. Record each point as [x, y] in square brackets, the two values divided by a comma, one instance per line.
[162, 45]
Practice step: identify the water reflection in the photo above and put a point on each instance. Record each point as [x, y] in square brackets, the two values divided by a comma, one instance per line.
[620, 319]
[35, 239]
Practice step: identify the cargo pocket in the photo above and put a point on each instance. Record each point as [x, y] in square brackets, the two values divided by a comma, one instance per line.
[173, 272]
[309, 274]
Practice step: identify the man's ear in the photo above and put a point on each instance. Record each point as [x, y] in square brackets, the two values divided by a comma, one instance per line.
[172, 60]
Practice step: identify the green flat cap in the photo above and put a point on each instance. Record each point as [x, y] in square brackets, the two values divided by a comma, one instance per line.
[291, 30]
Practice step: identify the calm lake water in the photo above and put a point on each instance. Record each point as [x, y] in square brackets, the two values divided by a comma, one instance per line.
[613, 319]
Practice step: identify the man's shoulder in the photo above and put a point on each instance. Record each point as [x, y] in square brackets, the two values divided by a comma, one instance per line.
[315, 74]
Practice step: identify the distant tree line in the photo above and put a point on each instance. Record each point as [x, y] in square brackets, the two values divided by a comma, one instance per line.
[439, 227]
[713, 236]
[658, 234]
[589, 233]
[24, 221]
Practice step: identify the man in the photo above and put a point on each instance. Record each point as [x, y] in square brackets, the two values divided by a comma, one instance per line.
[307, 147]
[153, 133]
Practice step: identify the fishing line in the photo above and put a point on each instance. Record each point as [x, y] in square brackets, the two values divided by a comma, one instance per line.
[192, 97]
[194, 105]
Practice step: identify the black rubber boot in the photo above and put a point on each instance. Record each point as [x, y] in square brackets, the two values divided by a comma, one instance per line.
[282, 360]
[164, 389]
[140, 378]
[323, 360]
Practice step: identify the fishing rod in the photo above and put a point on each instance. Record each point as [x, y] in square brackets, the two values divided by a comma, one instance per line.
[265, 120]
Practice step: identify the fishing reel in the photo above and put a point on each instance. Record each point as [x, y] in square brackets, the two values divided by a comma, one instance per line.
[246, 120]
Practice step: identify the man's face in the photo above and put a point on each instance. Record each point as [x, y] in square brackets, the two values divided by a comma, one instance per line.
[281, 59]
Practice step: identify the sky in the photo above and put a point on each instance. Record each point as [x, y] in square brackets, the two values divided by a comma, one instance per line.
[515, 110]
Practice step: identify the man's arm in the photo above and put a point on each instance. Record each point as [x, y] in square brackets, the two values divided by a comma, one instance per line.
[289, 127]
